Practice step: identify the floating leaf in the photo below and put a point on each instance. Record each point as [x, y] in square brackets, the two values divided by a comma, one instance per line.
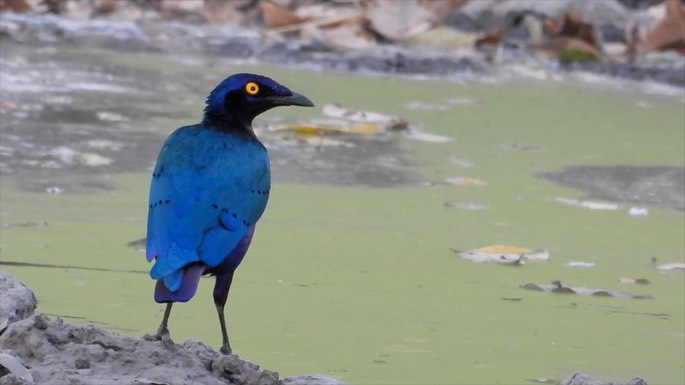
[557, 287]
[629, 280]
[427, 137]
[503, 254]
[593, 205]
[323, 126]
[322, 141]
[475, 206]
[580, 264]
[462, 101]
[421, 106]
[671, 266]
[464, 181]
[386, 121]
[94, 160]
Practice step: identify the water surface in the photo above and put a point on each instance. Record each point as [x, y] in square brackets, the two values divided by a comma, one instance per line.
[352, 272]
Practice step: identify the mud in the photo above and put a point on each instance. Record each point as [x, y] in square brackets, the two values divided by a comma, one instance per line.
[659, 186]
[39, 350]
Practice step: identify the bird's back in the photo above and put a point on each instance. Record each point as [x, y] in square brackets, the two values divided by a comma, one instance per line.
[209, 188]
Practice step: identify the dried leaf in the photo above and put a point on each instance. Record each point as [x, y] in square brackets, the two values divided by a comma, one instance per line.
[503, 254]
[593, 205]
[490, 38]
[464, 181]
[474, 206]
[421, 106]
[388, 121]
[18, 6]
[573, 26]
[666, 33]
[671, 266]
[578, 47]
[557, 287]
[427, 137]
[323, 126]
[580, 264]
[276, 16]
[629, 280]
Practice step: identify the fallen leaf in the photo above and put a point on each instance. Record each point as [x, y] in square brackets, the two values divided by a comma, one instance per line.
[474, 206]
[427, 137]
[335, 126]
[421, 106]
[94, 160]
[629, 280]
[665, 33]
[503, 254]
[563, 47]
[277, 16]
[671, 266]
[18, 6]
[388, 121]
[557, 287]
[465, 101]
[321, 141]
[593, 205]
[580, 264]
[573, 26]
[490, 39]
[464, 181]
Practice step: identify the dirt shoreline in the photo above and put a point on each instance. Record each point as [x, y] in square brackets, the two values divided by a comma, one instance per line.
[35, 349]
[157, 32]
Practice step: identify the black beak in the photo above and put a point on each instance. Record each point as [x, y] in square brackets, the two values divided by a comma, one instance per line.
[293, 100]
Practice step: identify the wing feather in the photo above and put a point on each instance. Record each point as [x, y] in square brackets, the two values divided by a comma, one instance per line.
[208, 189]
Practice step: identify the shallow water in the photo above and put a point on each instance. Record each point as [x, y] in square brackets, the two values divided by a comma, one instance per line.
[351, 273]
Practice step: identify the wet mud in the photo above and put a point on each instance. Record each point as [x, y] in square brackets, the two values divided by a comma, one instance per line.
[660, 186]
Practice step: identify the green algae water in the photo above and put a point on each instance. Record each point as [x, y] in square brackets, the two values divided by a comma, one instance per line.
[361, 283]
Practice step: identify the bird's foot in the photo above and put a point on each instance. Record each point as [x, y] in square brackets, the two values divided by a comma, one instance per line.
[226, 350]
[161, 335]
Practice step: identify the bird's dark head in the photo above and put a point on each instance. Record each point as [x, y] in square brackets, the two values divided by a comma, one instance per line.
[237, 100]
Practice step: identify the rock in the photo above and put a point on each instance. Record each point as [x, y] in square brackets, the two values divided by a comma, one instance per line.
[585, 379]
[53, 352]
[17, 301]
[491, 13]
[13, 370]
[312, 379]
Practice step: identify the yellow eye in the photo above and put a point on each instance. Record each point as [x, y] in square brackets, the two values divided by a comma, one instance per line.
[252, 88]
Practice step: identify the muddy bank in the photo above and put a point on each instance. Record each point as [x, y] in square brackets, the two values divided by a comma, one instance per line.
[39, 350]
[659, 186]
[246, 31]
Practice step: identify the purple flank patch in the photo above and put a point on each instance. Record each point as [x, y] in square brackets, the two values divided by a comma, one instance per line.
[191, 278]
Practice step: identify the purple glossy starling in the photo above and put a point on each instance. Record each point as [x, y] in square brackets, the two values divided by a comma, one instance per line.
[209, 187]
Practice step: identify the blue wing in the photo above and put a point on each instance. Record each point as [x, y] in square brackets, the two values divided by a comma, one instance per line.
[208, 189]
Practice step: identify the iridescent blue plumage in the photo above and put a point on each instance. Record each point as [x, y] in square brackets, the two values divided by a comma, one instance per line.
[209, 188]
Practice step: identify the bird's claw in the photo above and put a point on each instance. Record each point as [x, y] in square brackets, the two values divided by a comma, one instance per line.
[161, 335]
[226, 350]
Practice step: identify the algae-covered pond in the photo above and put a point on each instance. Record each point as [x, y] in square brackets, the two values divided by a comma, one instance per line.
[352, 272]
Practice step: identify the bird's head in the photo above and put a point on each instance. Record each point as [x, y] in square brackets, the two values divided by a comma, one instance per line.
[237, 100]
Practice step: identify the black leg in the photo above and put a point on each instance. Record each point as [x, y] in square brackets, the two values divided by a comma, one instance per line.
[221, 288]
[225, 345]
[164, 326]
[163, 330]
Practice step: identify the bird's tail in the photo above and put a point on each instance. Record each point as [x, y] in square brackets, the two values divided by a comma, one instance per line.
[191, 278]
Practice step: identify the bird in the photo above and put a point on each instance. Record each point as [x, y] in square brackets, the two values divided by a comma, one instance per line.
[209, 187]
